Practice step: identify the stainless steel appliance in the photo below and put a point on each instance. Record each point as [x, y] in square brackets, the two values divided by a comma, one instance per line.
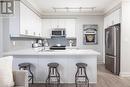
[112, 49]
[58, 32]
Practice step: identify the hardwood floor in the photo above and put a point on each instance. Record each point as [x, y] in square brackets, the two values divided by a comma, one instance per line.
[105, 79]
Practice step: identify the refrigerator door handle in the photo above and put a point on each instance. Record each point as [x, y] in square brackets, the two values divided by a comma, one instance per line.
[115, 29]
[111, 56]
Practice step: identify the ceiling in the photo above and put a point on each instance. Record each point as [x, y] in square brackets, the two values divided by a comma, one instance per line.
[45, 7]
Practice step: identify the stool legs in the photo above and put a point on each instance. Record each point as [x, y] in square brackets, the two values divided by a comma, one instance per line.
[86, 80]
[31, 77]
[58, 77]
[81, 70]
[53, 73]
[30, 72]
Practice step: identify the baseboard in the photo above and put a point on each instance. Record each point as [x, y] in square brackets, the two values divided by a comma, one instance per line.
[125, 74]
[64, 83]
[100, 62]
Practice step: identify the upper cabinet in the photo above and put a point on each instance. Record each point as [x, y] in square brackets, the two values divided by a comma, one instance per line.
[46, 28]
[70, 28]
[112, 19]
[49, 24]
[24, 22]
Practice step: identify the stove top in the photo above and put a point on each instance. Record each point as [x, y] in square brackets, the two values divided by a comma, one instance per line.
[57, 47]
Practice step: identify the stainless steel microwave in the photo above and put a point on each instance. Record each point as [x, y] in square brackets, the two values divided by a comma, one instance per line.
[57, 32]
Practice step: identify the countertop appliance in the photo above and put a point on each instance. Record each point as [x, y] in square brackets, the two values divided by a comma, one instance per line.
[58, 32]
[58, 47]
[112, 49]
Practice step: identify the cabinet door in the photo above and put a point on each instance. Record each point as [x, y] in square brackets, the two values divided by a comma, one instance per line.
[105, 22]
[70, 28]
[110, 20]
[24, 20]
[117, 16]
[57, 23]
[30, 23]
[54, 23]
[39, 25]
[46, 28]
[36, 27]
[61, 23]
[27, 23]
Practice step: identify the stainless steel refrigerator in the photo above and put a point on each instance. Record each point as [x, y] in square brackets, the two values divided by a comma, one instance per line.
[112, 49]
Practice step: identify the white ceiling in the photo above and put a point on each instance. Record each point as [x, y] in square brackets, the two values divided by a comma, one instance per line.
[46, 6]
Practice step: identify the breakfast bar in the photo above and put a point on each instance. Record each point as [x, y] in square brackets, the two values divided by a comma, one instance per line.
[66, 59]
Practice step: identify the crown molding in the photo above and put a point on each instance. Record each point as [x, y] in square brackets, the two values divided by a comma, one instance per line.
[29, 5]
[112, 8]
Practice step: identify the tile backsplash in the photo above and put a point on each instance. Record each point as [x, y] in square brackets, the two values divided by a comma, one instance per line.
[23, 43]
[60, 40]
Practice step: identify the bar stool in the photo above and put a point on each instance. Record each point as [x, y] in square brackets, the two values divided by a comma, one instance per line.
[53, 76]
[27, 66]
[81, 77]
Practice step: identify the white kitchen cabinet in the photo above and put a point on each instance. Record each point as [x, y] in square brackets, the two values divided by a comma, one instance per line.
[49, 24]
[24, 22]
[117, 16]
[46, 28]
[70, 28]
[112, 19]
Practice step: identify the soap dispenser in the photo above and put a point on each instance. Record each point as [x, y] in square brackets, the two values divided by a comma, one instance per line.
[70, 43]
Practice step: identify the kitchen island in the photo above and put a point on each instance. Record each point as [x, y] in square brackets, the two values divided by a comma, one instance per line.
[66, 59]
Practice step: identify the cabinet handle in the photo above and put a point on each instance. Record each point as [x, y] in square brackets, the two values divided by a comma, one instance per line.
[34, 33]
[26, 31]
[112, 22]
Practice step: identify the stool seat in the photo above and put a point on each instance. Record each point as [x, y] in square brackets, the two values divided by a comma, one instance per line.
[24, 64]
[53, 65]
[81, 65]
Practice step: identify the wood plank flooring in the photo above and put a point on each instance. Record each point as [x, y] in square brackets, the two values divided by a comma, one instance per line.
[105, 79]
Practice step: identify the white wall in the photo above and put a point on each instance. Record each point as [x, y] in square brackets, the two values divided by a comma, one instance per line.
[1, 36]
[125, 39]
[79, 32]
[6, 37]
